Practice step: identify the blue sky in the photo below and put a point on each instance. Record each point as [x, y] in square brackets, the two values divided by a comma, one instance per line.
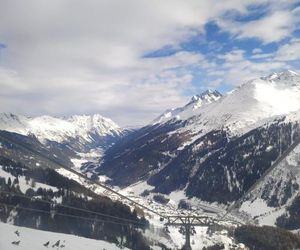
[214, 41]
[131, 60]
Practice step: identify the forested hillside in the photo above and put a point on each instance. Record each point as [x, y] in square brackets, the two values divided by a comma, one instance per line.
[64, 206]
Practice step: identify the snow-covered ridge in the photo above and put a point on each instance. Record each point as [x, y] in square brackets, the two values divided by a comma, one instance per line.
[243, 109]
[197, 101]
[205, 97]
[59, 128]
[289, 75]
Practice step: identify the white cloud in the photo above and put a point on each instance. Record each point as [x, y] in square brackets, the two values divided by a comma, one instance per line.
[257, 51]
[273, 27]
[136, 96]
[233, 56]
[264, 56]
[237, 68]
[76, 56]
[290, 51]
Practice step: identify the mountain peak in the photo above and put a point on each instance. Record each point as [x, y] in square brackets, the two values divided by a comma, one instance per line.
[208, 95]
[197, 101]
[60, 129]
[292, 72]
[284, 75]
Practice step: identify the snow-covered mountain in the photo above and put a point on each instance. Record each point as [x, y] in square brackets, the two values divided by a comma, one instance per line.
[246, 107]
[274, 199]
[212, 150]
[196, 102]
[81, 132]
[216, 151]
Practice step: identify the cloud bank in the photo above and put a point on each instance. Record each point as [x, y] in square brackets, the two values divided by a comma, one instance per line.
[64, 57]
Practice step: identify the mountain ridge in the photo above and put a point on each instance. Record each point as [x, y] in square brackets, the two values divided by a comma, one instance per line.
[87, 131]
[203, 149]
[196, 102]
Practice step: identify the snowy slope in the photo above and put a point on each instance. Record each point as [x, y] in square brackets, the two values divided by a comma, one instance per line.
[35, 240]
[277, 190]
[59, 129]
[23, 184]
[249, 105]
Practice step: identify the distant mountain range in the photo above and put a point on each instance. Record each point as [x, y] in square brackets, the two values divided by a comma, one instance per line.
[218, 148]
[60, 138]
[80, 132]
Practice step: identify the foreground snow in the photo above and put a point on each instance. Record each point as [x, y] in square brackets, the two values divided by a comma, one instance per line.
[31, 239]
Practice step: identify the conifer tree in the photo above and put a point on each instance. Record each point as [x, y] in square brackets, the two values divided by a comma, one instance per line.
[9, 182]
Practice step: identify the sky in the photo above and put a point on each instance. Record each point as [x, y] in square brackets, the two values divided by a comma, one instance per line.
[131, 60]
